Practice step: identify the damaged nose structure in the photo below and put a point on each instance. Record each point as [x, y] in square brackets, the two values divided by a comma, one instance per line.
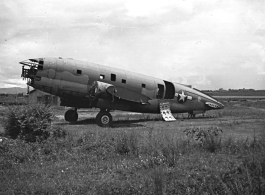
[30, 68]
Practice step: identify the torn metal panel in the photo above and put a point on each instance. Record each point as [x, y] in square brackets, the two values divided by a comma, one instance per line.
[166, 112]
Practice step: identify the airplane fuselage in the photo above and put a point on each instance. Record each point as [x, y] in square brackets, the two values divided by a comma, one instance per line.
[84, 85]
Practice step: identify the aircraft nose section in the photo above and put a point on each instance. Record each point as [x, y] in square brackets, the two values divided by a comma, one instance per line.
[30, 67]
[31, 62]
[36, 60]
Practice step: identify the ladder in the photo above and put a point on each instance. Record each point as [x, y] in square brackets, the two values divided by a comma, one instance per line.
[166, 112]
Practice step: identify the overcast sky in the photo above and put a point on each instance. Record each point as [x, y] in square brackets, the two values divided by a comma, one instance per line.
[209, 44]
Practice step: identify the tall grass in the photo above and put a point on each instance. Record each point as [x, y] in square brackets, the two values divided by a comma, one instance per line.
[132, 162]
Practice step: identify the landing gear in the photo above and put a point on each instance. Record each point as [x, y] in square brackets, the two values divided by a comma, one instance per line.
[104, 119]
[191, 115]
[71, 115]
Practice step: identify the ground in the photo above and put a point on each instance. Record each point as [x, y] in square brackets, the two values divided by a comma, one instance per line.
[220, 153]
[239, 119]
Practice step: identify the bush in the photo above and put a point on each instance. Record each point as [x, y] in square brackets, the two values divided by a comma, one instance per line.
[208, 139]
[28, 122]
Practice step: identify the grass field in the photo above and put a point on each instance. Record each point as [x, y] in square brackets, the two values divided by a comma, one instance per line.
[221, 153]
[237, 93]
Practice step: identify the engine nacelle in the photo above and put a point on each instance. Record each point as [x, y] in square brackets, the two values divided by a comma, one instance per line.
[99, 90]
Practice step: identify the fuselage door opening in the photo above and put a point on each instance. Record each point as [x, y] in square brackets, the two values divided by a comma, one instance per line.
[170, 90]
[160, 92]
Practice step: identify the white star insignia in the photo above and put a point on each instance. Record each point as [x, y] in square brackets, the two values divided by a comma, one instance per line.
[182, 96]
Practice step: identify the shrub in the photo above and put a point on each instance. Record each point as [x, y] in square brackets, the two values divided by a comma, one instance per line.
[28, 122]
[209, 138]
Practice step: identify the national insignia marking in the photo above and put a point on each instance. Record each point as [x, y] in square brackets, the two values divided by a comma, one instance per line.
[181, 97]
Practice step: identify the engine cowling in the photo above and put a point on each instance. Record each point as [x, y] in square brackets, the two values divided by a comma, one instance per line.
[99, 90]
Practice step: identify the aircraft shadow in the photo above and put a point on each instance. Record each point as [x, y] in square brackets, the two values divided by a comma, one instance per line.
[131, 123]
[126, 123]
[80, 122]
[115, 124]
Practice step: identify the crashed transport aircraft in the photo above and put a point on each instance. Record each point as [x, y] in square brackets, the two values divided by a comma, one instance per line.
[86, 85]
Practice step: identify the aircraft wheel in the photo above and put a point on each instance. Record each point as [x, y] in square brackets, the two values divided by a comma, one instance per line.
[104, 119]
[71, 116]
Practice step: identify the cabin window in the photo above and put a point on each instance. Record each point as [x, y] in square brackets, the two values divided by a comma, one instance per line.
[41, 62]
[123, 81]
[143, 85]
[102, 76]
[40, 67]
[79, 71]
[113, 77]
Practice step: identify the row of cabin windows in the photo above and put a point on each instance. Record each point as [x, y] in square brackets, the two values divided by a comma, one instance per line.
[113, 78]
[102, 76]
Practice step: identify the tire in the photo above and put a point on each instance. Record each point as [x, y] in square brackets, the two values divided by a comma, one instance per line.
[104, 119]
[71, 116]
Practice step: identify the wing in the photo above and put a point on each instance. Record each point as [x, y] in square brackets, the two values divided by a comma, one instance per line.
[108, 91]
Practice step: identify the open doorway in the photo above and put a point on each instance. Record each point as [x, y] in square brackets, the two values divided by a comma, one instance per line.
[170, 90]
[160, 93]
